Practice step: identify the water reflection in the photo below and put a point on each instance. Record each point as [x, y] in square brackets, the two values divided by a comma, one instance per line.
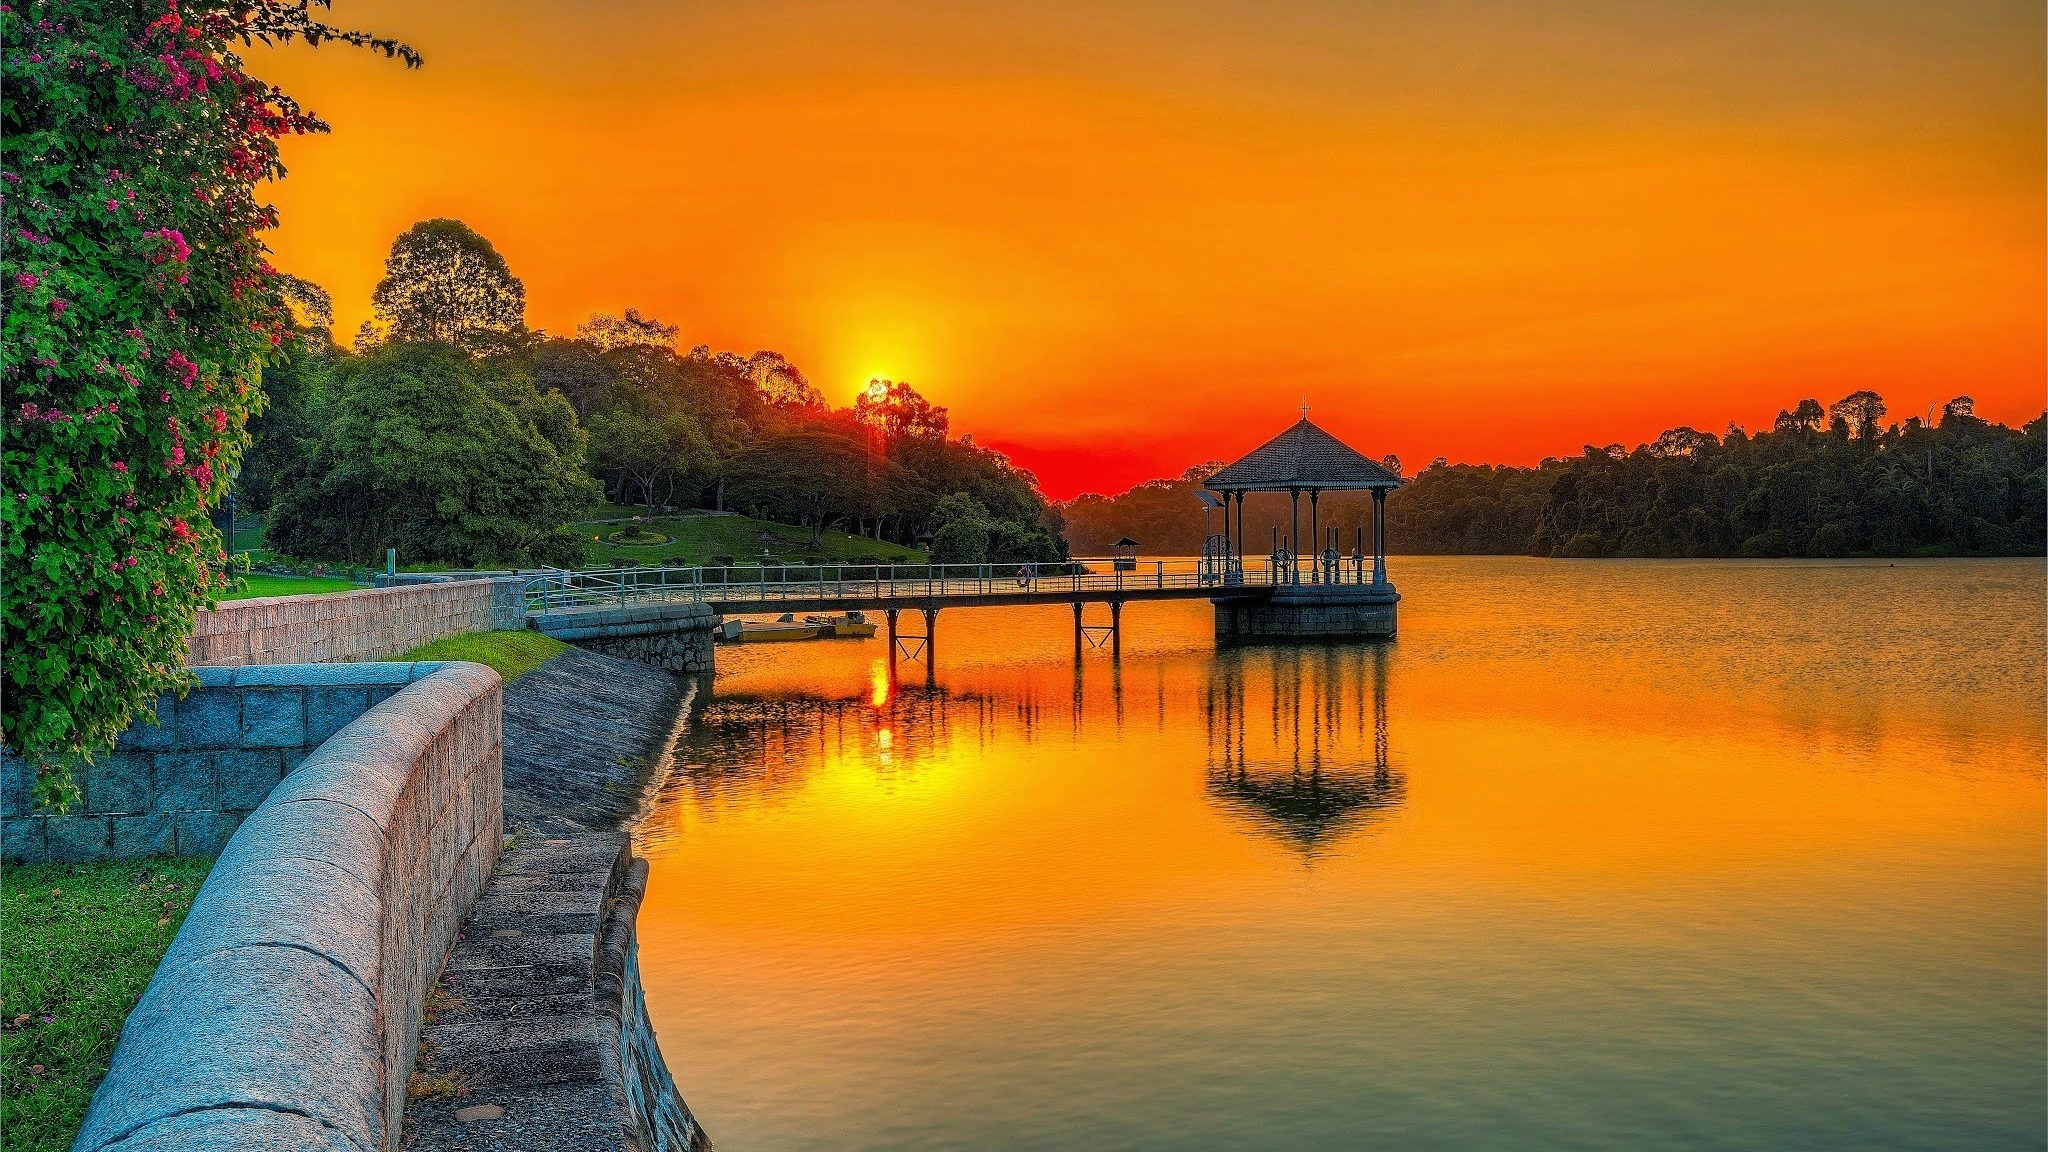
[1314, 771]
[1703, 855]
[1295, 749]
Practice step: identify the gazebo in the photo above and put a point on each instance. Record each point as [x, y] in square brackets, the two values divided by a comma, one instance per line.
[1125, 551]
[1304, 458]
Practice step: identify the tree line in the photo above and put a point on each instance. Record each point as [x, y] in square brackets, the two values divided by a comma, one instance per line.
[1820, 481]
[454, 432]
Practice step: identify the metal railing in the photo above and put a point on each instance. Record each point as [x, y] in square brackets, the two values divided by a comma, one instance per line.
[554, 590]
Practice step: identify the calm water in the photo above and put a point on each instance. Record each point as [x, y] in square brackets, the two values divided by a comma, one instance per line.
[1596, 855]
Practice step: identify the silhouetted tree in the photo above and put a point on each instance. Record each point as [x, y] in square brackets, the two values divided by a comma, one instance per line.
[443, 281]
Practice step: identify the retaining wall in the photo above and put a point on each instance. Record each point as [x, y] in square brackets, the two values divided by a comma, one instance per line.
[370, 624]
[675, 636]
[287, 1012]
[649, 1105]
[181, 787]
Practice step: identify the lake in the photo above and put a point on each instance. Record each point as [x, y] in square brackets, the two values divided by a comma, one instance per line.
[1597, 854]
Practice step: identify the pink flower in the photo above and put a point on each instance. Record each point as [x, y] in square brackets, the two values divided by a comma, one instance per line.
[121, 466]
[179, 249]
[58, 306]
[27, 280]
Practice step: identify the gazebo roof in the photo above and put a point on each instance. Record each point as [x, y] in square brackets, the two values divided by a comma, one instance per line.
[1304, 456]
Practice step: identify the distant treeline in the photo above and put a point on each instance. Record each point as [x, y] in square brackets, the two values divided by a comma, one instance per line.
[1834, 481]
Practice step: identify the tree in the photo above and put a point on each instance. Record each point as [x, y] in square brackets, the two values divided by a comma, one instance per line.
[813, 478]
[576, 370]
[646, 455]
[963, 541]
[898, 412]
[425, 449]
[607, 332]
[1862, 411]
[312, 309]
[292, 388]
[443, 281]
[138, 311]
[781, 384]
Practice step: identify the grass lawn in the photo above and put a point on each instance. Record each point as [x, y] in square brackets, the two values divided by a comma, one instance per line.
[513, 654]
[688, 539]
[248, 533]
[263, 584]
[81, 942]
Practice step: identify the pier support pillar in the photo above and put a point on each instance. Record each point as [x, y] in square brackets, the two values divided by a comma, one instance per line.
[931, 641]
[1077, 631]
[1116, 629]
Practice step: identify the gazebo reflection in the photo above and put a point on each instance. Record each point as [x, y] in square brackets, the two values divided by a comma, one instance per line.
[1298, 743]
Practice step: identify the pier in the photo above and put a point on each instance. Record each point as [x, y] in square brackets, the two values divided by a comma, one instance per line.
[1290, 594]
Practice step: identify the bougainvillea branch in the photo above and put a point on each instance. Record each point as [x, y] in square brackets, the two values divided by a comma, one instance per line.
[139, 312]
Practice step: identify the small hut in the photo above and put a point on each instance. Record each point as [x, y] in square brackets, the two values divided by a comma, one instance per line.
[1125, 552]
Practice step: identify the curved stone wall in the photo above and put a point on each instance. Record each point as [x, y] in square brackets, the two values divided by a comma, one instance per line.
[650, 1107]
[287, 1011]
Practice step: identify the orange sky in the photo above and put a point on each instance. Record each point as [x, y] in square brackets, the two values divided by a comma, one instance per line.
[1118, 238]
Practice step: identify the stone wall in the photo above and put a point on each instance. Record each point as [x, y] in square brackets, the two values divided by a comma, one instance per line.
[675, 636]
[649, 1105]
[1339, 612]
[287, 1012]
[371, 624]
[181, 787]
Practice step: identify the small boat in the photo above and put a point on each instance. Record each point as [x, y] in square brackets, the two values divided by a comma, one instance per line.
[788, 627]
[852, 624]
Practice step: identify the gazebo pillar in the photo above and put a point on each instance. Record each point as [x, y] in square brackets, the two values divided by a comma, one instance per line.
[1379, 536]
[1240, 530]
[1315, 536]
[1294, 534]
[1226, 530]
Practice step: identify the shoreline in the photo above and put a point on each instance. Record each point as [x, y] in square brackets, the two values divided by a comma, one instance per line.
[537, 1035]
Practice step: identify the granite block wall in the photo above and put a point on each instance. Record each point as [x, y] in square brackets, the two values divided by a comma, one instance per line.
[675, 635]
[286, 1013]
[371, 624]
[182, 786]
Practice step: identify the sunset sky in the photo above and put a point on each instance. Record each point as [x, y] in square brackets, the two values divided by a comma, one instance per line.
[1119, 237]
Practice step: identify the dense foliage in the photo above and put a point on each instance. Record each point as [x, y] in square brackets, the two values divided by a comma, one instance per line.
[422, 448]
[654, 427]
[138, 309]
[1832, 481]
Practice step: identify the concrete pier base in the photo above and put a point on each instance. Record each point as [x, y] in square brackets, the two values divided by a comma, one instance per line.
[1311, 612]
